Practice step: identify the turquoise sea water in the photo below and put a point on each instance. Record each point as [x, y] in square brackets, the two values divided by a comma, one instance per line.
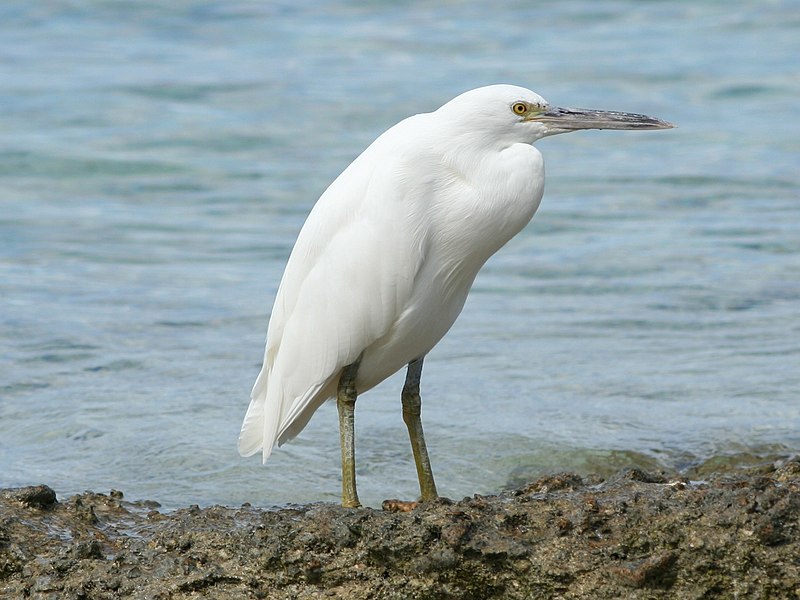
[157, 160]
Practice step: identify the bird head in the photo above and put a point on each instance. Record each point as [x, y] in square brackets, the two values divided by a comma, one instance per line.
[516, 114]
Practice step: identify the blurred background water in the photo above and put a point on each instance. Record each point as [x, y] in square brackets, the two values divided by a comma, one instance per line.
[157, 160]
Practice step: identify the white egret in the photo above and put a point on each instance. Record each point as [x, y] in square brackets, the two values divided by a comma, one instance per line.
[385, 260]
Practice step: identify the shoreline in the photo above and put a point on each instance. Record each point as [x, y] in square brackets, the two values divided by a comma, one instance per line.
[634, 535]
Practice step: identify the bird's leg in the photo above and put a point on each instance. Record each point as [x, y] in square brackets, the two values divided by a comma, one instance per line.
[346, 403]
[412, 405]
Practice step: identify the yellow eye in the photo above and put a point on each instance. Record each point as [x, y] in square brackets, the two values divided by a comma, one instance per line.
[519, 108]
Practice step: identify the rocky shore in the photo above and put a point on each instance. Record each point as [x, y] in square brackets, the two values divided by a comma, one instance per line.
[636, 535]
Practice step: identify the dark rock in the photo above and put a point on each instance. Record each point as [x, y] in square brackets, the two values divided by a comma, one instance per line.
[638, 535]
[34, 496]
[653, 571]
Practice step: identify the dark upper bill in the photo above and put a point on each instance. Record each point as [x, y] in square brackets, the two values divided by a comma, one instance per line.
[569, 119]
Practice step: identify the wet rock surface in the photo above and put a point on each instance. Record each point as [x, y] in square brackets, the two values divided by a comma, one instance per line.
[636, 535]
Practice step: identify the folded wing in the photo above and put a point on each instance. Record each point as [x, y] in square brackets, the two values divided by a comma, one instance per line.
[348, 279]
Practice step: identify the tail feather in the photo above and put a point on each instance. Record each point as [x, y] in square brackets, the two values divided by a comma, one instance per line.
[251, 436]
[301, 411]
[271, 420]
[260, 426]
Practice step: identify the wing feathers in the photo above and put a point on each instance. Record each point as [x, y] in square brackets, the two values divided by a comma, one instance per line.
[348, 279]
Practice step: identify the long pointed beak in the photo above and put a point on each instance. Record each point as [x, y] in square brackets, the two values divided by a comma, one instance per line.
[572, 119]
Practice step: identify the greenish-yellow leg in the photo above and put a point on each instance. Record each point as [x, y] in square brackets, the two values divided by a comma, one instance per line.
[346, 403]
[412, 406]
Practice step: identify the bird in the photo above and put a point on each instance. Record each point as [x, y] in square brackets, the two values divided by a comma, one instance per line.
[383, 264]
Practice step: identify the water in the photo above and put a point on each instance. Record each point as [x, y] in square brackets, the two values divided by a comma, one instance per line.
[157, 160]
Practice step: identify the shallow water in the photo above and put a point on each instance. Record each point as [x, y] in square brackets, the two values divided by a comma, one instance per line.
[157, 161]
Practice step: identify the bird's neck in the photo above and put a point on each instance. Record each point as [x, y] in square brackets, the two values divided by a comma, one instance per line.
[490, 197]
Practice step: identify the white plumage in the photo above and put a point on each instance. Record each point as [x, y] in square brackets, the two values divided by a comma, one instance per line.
[389, 252]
